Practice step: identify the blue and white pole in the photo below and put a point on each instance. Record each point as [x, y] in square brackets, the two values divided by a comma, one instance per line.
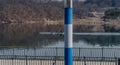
[68, 32]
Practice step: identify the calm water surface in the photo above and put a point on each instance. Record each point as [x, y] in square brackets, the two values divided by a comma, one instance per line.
[91, 46]
[84, 41]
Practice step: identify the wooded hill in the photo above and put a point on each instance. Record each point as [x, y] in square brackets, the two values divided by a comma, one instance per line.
[22, 20]
[26, 10]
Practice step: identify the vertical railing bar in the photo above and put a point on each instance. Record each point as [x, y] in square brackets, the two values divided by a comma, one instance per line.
[79, 53]
[91, 53]
[35, 52]
[102, 52]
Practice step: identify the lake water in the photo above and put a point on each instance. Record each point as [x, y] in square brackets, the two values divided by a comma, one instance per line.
[83, 41]
[81, 44]
[87, 45]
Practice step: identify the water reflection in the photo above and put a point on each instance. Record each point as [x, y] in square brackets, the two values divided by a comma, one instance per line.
[79, 41]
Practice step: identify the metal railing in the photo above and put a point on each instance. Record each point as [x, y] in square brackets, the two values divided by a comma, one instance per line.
[39, 60]
[59, 51]
[55, 56]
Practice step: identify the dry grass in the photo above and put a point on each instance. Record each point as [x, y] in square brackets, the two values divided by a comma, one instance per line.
[87, 21]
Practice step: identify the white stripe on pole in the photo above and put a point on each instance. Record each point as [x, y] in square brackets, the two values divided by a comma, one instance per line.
[68, 36]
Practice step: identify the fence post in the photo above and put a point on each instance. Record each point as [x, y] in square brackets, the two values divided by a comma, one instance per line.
[54, 63]
[12, 60]
[56, 56]
[84, 61]
[118, 61]
[26, 60]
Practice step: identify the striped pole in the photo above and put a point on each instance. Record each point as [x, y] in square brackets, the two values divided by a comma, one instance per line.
[68, 32]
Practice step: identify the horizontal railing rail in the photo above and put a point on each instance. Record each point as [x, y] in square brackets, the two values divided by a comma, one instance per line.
[59, 51]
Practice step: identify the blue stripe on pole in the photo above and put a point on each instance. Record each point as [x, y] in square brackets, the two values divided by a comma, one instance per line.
[68, 56]
[68, 15]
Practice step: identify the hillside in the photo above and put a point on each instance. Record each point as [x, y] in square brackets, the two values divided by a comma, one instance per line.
[20, 12]
[36, 10]
[22, 20]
